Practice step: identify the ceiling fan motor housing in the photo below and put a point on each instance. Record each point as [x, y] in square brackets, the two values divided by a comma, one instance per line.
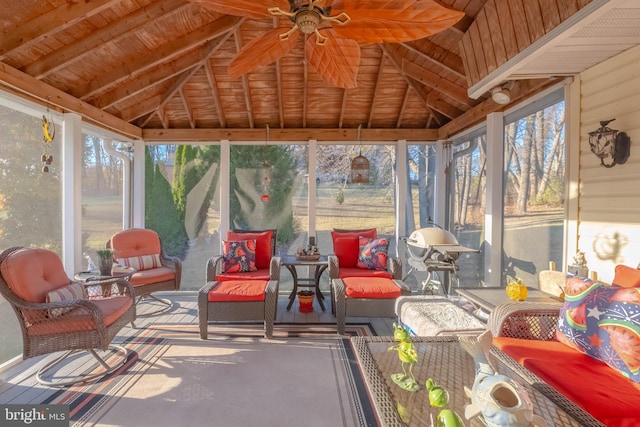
[307, 21]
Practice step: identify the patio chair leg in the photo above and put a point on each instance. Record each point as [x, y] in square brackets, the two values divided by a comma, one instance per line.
[165, 302]
[116, 349]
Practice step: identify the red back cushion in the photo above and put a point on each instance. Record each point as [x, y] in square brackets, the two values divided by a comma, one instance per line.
[263, 245]
[346, 245]
[31, 273]
[135, 242]
[626, 277]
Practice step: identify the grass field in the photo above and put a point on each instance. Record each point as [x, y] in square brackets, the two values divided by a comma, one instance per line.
[363, 207]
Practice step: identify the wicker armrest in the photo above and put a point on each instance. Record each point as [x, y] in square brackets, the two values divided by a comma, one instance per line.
[394, 266]
[274, 268]
[334, 267]
[214, 267]
[525, 320]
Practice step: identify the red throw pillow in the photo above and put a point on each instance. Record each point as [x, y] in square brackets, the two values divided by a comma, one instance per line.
[626, 277]
[346, 245]
[263, 245]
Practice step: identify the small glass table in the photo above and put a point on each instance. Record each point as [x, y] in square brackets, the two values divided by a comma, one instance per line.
[94, 276]
[291, 262]
[116, 273]
[445, 361]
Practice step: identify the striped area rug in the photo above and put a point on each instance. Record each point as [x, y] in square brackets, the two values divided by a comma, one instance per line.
[307, 375]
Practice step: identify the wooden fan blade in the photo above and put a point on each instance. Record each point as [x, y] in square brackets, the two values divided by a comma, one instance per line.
[393, 21]
[337, 61]
[263, 50]
[251, 9]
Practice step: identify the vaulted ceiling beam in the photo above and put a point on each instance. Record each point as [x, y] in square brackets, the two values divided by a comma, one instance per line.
[210, 48]
[403, 107]
[158, 57]
[450, 62]
[343, 107]
[279, 84]
[50, 96]
[187, 108]
[376, 90]
[117, 29]
[245, 82]
[397, 59]
[156, 75]
[211, 77]
[49, 23]
[434, 81]
[160, 136]
[305, 86]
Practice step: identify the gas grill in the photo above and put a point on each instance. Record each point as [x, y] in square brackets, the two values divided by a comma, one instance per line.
[434, 250]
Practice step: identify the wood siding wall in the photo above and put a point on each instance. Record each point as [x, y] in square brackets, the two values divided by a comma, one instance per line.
[609, 198]
[503, 28]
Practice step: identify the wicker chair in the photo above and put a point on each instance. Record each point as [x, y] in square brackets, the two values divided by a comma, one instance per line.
[54, 314]
[222, 298]
[141, 248]
[342, 277]
[525, 320]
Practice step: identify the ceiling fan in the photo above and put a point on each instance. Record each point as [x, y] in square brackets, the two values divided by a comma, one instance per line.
[333, 30]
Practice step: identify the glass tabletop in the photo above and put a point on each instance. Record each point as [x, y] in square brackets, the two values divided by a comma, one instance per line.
[445, 361]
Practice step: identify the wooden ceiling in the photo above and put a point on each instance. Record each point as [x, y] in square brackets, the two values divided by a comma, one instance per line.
[158, 70]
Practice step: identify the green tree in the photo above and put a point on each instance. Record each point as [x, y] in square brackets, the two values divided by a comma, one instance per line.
[30, 199]
[258, 170]
[161, 214]
[207, 157]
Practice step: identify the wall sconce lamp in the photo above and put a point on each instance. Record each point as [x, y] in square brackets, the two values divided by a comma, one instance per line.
[611, 147]
[501, 94]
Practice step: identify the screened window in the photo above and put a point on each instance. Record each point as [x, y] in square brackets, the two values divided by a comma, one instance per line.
[534, 188]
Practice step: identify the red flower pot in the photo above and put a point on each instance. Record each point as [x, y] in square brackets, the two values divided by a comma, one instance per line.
[305, 303]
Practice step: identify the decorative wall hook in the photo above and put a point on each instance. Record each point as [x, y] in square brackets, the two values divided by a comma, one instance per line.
[611, 147]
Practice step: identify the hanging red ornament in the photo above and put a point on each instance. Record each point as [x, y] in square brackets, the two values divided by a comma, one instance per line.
[265, 198]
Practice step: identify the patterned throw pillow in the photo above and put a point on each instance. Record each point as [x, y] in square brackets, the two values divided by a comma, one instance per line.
[373, 254]
[143, 262]
[602, 322]
[239, 256]
[70, 292]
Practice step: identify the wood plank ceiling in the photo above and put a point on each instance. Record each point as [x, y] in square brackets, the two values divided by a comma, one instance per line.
[158, 70]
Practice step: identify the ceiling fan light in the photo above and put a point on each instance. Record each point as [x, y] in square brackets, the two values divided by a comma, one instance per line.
[501, 95]
[307, 21]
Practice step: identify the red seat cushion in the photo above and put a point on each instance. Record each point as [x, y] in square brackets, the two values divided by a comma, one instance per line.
[153, 275]
[359, 272]
[259, 274]
[77, 320]
[371, 287]
[346, 245]
[590, 383]
[238, 290]
[264, 251]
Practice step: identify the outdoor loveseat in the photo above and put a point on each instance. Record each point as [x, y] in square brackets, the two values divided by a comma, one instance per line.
[588, 350]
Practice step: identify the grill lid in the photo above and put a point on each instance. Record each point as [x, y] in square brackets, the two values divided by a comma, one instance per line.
[428, 237]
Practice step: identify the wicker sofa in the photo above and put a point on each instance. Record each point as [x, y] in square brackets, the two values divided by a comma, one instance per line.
[595, 370]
